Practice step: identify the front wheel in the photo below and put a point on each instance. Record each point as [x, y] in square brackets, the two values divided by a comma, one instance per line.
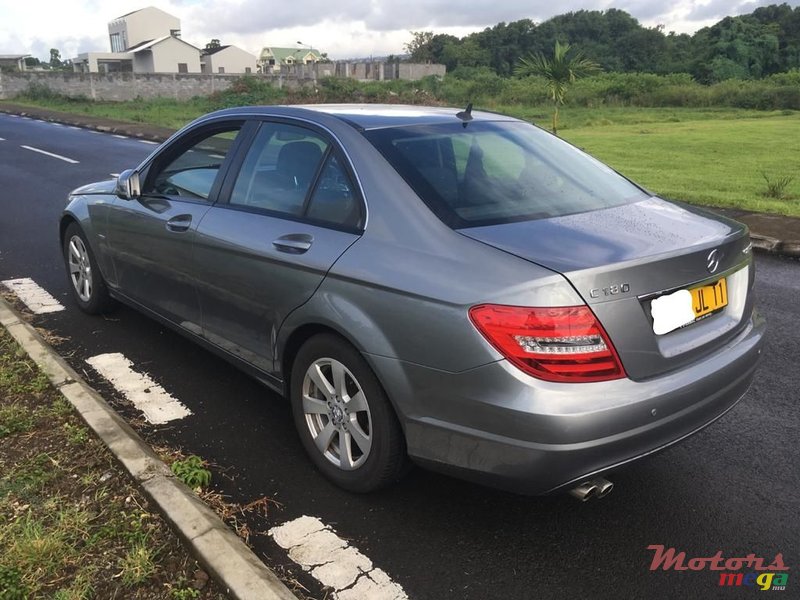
[344, 418]
[86, 283]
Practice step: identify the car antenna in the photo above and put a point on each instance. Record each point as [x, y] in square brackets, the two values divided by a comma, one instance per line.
[465, 115]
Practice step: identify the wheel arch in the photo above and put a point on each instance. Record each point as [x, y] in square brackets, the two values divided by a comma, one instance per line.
[301, 334]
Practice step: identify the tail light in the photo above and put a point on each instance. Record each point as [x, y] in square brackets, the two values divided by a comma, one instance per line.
[564, 343]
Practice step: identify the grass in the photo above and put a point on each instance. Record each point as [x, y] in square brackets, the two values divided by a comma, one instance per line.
[716, 162]
[72, 525]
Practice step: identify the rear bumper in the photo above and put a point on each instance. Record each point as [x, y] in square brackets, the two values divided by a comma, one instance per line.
[499, 427]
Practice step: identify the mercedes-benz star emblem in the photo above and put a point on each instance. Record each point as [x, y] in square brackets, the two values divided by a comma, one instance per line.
[712, 262]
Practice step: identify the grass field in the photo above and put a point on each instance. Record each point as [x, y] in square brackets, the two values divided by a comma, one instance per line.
[718, 162]
[712, 156]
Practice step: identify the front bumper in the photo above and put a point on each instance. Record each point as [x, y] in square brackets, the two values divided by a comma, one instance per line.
[499, 427]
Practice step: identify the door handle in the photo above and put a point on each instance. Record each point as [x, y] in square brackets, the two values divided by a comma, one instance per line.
[179, 223]
[294, 243]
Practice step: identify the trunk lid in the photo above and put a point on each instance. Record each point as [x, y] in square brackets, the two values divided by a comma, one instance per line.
[619, 259]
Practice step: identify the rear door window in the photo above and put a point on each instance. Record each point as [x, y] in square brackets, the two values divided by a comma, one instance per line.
[295, 172]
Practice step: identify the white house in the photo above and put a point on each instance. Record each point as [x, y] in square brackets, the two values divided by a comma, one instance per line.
[227, 59]
[166, 54]
[141, 26]
[143, 41]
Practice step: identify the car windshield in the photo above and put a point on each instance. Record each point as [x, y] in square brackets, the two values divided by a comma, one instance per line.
[485, 173]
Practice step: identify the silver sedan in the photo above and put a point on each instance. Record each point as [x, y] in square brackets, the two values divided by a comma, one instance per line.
[458, 288]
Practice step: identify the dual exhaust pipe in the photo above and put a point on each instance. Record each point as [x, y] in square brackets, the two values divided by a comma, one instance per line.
[594, 488]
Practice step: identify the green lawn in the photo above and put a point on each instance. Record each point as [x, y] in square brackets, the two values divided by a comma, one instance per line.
[718, 162]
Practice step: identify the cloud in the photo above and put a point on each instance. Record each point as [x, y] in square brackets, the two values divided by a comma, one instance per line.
[251, 16]
[717, 9]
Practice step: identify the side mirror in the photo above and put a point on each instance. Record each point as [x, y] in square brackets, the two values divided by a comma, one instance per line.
[128, 185]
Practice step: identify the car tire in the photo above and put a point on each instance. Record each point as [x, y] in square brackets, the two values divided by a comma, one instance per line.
[335, 396]
[86, 283]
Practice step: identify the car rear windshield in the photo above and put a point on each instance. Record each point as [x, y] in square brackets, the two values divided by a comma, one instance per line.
[485, 173]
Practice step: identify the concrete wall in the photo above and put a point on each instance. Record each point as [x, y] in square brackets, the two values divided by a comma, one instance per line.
[126, 86]
[118, 86]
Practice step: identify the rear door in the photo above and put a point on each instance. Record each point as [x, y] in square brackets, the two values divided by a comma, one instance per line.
[287, 212]
[150, 238]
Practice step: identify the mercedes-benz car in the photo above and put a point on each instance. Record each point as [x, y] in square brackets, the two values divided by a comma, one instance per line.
[454, 287]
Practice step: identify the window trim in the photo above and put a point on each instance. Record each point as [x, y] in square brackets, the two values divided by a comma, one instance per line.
[334, 147]
[177, 147]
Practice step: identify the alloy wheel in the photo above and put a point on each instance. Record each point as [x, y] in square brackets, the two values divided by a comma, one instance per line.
[337, 413]
[80, 268]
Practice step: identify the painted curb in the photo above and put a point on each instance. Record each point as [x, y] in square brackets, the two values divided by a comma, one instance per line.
[120, 128]
[226, 557]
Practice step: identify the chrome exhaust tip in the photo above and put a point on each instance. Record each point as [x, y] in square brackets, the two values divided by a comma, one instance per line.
[595, 488]
[604, 487]
[585, 491]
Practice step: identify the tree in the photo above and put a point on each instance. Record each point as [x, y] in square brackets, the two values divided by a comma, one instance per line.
[213, 44]
[559, 72]
[55, 58]
[420, 46]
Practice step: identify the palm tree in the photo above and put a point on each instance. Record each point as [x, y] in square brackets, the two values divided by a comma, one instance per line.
[559, 72]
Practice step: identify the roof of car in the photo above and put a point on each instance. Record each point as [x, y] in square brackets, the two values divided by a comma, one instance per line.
[376, 116]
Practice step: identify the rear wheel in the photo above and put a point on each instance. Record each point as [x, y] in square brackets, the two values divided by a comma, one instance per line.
[345, 421]
[86, 283]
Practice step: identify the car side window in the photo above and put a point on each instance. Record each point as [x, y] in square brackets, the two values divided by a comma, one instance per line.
[279, 169]
[191, 174]
[334, 199]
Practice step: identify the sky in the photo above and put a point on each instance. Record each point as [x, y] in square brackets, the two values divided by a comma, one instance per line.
[342, 28]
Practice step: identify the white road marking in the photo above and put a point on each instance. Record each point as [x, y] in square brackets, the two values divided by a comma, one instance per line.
[73, 127]
[37, 299]
[2, 139]
[46, 153]
[114, 174]
[216, 156]
[146, 395]
[149, 142]
[122, 137]
[333, 562]
[95, 131]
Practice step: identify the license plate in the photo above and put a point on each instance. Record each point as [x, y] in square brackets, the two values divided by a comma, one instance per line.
[709, 298]
[687, 306]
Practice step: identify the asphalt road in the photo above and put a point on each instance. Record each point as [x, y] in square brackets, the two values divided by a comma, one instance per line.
[733, 488]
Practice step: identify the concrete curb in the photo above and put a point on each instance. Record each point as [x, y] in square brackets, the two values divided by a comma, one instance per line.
[774, 245]
[234, 566]
[144, 132]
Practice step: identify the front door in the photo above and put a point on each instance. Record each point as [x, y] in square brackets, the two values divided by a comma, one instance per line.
[151, 237]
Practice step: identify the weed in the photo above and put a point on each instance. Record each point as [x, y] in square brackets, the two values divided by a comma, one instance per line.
[776, 188]
[76, 434]
[182, 591]
[192, 472]
[60, 408]
[26, 479]
[80, 588]
[11, 585]
[137, 565]
[15, 419]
